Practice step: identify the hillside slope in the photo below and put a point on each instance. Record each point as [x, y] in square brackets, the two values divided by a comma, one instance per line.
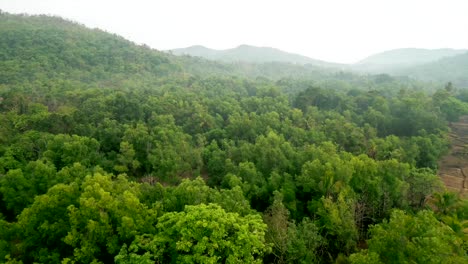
[42, 48]
[38, 47]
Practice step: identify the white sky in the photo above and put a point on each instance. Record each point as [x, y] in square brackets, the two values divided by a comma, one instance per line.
[333, 30]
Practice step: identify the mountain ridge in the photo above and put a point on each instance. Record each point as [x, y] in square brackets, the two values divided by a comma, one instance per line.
[393, 60]
[250, 53]
[419, 63]
[428, 65]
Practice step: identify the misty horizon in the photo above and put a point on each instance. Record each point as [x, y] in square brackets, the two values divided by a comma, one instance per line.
[286, 51]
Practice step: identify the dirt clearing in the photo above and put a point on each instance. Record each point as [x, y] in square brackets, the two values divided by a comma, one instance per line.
[453, 167]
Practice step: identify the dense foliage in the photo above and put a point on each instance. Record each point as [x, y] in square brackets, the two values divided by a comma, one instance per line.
[111, 152]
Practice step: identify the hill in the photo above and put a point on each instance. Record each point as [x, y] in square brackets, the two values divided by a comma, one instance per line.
[43, 47]
[451, 69]
[394, 60]
[252, 54]
[437, 65]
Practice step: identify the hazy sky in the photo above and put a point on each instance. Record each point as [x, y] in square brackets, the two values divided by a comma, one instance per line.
[333, 30]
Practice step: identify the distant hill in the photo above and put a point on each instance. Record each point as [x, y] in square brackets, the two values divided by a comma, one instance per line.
[450, 69]
[436, 65]
[393, 61]
[252, 54]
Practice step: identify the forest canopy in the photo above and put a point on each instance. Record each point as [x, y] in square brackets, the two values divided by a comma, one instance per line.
[112, 152]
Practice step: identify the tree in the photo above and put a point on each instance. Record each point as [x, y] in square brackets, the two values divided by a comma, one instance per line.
[336, 218]
[172, 151]
[452, 210]
[305, 242]
[201, 234]
[188, 192]
[291, 242]
[277, 219]
[126, 158]
[109, 214]
[273, 152]
[415, 239]
[364, 257]
[43, 226]
[64, 150]
[422, 183]
[15, 189]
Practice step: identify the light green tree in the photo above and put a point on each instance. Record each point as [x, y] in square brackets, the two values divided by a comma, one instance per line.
[200, 234]
[413, 239]
[109, 214]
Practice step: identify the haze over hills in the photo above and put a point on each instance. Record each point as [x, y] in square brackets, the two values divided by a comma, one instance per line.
[440, 65]
[450, 69]
[392, 60]
[247, 53]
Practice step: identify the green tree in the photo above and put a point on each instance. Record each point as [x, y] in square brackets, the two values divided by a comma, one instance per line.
[16, 191]
[415, 239]
[291, 242]
[337, 220]
[43, 226]
[126, 159]
[201, 234]
[277, 219]
[305, 242]
[422, 183]
[109, 214]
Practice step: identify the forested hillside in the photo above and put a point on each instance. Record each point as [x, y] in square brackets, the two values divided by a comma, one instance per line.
[454, 69]
[440, 66]
[112, 152]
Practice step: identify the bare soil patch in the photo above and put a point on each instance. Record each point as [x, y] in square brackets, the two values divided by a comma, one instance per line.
[453, 167]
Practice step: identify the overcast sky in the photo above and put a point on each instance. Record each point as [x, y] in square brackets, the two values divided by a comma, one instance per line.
[333, 30]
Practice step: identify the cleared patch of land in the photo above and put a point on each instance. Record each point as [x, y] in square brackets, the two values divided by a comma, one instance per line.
[453, 167]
